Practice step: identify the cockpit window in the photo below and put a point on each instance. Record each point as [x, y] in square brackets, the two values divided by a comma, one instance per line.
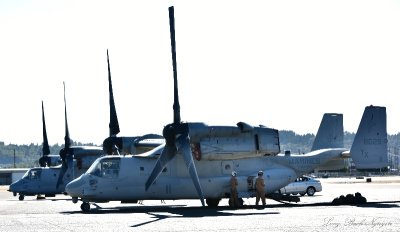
[106, 168]
[33, 174]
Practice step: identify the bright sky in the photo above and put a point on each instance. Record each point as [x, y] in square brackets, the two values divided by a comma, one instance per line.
[277, 63]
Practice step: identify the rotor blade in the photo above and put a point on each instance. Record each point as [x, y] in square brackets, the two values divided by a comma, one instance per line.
[166, 155]
[176, 107]
[46, 149]
[184, 146]
[67, 139]
[114, 125]
[63, 169]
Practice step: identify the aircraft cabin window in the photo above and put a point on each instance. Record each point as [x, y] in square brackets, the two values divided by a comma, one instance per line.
[35, 174]
[26, 175]
[107, 168]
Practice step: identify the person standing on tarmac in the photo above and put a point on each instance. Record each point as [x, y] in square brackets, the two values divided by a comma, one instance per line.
[260, 185]
[234, 194]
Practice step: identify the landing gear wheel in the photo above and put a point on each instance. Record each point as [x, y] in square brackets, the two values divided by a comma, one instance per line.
[211, 202]
[14, 194]
[310, 191]
[74, 200]
[85, 207]
[21, 197]
[240, 200]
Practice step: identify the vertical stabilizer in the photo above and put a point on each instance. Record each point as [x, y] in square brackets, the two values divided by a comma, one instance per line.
[369, 149]
[330, 132]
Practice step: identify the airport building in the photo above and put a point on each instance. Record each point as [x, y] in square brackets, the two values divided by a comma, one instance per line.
[10, 175]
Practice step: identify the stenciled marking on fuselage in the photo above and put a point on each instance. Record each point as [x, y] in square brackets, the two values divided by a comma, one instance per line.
[304, 161]
[374, 141]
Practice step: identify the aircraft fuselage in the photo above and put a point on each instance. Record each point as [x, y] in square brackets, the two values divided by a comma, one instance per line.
[122, 178]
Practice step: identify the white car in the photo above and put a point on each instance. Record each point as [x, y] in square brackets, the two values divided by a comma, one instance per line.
[302, 185]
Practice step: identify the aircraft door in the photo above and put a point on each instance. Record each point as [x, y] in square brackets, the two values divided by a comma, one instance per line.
[227, 167]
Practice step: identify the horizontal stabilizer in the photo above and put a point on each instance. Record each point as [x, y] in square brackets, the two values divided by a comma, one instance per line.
[369, 149]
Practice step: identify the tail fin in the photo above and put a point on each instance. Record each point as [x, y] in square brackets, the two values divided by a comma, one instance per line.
[330, 132]
[330, 135]
[369, 149]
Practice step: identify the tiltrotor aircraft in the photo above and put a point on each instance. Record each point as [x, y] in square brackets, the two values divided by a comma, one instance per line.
[196, 160]
[49, 180]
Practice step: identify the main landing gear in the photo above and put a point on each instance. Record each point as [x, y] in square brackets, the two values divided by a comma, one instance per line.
[240, 200]
[85, 207]
[212, 202]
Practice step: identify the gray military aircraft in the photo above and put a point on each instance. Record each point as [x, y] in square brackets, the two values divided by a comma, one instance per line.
[206, 156]
[49, 180]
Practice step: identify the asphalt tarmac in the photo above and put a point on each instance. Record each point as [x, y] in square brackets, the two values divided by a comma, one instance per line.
[311, 214]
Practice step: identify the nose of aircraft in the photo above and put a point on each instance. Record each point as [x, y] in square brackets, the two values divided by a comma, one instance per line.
[75, 187]
[15, 187]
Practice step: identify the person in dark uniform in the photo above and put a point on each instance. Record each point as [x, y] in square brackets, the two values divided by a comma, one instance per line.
[234, 194]
[260, 185]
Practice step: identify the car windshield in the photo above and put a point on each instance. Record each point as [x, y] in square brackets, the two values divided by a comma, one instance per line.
[105, 167]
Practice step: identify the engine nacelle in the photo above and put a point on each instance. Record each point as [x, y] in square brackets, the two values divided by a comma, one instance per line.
[229, 142]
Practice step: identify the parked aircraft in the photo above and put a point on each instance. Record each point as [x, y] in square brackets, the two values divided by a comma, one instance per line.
[51, 180]
[206, 156]
[77, 159]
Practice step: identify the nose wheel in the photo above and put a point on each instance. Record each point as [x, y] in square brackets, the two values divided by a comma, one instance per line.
[85, 207]
[21, 197]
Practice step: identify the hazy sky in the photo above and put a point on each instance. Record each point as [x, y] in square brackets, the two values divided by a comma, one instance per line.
[277, 63]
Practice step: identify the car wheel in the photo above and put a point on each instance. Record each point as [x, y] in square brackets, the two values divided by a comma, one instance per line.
[310, 191]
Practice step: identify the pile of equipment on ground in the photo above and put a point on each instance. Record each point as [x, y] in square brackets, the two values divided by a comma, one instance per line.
[350, 199]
